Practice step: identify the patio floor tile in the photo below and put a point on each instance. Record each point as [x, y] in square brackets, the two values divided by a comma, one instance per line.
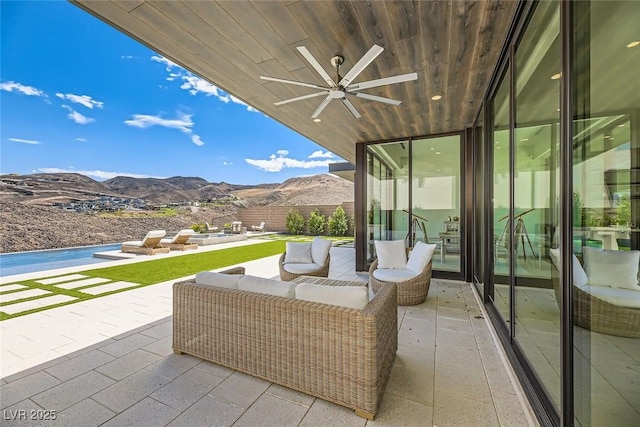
[79, 365]
[73, 391]
[209, 411]
[327, 414]
[147, 413]
[86, 413]
[25, 387]
[240, 389]
[187, 389]
[270, 410]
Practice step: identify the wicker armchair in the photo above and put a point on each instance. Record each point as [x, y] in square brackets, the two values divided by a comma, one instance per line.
[287, 276]
[590, 312]
[410, 292]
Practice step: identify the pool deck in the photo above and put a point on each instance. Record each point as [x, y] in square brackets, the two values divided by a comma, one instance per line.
[109, 361]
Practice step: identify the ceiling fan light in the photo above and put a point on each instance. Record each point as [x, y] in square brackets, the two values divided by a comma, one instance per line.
[436, 97]
[317, 120]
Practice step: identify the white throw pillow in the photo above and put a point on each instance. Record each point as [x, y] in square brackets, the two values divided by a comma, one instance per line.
[319, 250]
[211, 278]
[267, 286]
[618, 269]
[391, 254]
[345, 296]
[298, 252]
[420, 256]
[579, 275]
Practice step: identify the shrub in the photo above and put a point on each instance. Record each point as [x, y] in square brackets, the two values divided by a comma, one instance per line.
[316, 222]
[338, 222]
[199, 228]
[295, 222]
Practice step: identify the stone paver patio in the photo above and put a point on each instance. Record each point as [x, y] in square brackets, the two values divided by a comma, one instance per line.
[109, 362]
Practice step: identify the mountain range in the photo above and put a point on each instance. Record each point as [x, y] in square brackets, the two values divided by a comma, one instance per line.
[48, 188]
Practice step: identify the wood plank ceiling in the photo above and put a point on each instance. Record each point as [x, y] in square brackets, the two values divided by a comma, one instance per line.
[452, 45]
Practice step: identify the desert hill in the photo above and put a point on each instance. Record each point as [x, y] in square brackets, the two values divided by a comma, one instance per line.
[29, 220]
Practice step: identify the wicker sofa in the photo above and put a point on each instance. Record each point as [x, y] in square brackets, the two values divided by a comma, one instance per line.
[343, 355]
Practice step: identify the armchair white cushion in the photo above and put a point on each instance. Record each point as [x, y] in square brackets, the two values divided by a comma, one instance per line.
[395, 275]
[618, 269]
[298, 252]
[391, 254]
[579, 275]
[301, 268]
[319, 250]
[420, 256]
[620, 297]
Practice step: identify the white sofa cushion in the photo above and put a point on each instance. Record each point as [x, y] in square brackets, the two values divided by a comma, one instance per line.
[319, 250]
[618, 269]
[345, 296]
[420, 256]
[211, 278]
[300, 268]
[393, 275]
[616, 296]
[298, 252]
[391, 254]
[579, 275]
[267, 286]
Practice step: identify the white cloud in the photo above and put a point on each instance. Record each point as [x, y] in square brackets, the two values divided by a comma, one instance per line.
[25, 90]
[276, 163]
[85, 100]
[77, 117]
[126, 57]
[143, 121]
[81, 139]
[25, 141]
[97, 174]
[225, 163]
[195, 85]
[321, 154]
[183, 123]
[196, 140]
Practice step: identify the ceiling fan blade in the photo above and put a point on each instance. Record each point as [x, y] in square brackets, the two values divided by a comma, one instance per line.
[300, 98]
[385, 81]
[314, 63]
[378, 98]
[291, 82]
[361, 65]
[351, 108]
[321, 107]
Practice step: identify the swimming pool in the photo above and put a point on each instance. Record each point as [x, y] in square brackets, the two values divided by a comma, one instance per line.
[32, 261]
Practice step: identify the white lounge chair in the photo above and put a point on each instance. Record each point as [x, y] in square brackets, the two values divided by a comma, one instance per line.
[211, 229]
[180, 241]
[150, 245]
[259, 228]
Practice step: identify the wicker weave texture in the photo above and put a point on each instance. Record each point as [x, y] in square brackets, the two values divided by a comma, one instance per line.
[339, 354]
[287, 277]
[410, 292]
[592, 313]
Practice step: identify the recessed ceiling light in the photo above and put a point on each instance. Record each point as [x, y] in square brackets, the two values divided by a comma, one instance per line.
[437, 152]
[621, 125]
[437, 170]
[432, 148]
[524, 139]
[556, 76]
[317, 120]
[557, 109]
[633, 44]
[436, 97]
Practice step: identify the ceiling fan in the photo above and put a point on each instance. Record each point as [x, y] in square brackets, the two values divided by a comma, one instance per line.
[342, 87]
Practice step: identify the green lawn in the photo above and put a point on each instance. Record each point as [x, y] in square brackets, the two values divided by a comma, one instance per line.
[154, 271]
[147, 273]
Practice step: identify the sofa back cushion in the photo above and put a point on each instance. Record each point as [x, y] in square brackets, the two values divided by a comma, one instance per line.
[319, 250]
[267, 286]
[420, 256]
[298, 252]
[211, 278]
[346, 296]
[618, 269]
[391, 254]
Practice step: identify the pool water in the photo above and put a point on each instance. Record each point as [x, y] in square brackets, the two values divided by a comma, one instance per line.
[33, 261]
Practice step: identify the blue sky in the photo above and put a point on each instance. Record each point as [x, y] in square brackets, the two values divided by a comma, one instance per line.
[78, 96]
